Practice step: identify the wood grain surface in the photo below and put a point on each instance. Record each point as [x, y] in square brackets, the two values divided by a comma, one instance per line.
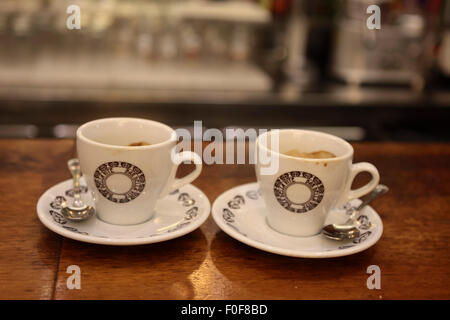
[413, 252]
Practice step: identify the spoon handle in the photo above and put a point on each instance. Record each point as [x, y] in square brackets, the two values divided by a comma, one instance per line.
[378, 191]
[74, 168]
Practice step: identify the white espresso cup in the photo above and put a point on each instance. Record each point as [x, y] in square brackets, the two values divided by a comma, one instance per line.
[126, 181]
[300, 192]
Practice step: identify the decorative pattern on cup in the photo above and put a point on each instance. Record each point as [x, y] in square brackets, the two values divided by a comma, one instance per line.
[298, 178]
[108, 170]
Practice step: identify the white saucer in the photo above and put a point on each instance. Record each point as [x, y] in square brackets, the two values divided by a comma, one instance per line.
[240, 212]
[177, 214]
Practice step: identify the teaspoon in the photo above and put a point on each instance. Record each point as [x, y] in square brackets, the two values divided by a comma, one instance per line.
[349, 229]
[77, 211]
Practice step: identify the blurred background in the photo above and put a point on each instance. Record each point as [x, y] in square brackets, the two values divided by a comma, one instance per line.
[228, 63]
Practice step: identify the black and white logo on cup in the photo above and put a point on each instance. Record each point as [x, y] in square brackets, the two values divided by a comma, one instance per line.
[119, 181]
[298, 191]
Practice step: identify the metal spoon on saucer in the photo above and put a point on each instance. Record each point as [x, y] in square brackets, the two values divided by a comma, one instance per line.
[77, 211]
[349, 229]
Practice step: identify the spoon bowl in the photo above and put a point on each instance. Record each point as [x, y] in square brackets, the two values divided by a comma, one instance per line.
[341, 233]
[349, 230]
[77, 214]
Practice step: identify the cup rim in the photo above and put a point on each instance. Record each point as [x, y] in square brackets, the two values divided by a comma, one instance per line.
[346, 155]
[80, 135]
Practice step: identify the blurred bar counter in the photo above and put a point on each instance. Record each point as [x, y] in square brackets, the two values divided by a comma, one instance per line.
[380, 114]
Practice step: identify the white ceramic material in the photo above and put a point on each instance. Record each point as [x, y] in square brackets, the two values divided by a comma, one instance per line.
[241, 213]
[127, 181]
[299, 193]
[176, 214]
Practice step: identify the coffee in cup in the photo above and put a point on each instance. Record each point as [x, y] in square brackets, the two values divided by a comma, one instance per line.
[321, 154]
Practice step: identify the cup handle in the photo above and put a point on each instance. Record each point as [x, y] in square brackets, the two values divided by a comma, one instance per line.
[357, 193]
[176, 183]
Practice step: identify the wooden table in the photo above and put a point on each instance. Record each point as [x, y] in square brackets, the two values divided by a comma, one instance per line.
[413, 253]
